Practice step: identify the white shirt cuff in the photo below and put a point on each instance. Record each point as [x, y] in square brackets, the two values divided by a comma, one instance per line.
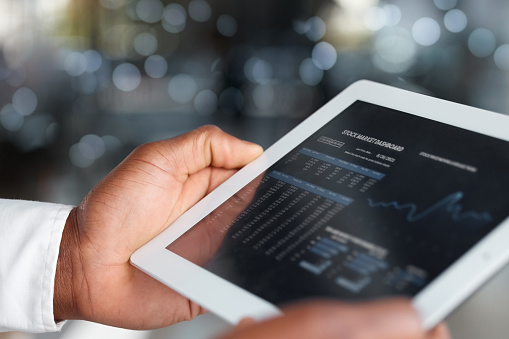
[30, 235]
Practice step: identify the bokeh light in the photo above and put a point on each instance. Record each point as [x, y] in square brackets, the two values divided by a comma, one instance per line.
[258, 70]
[94, 60]
[175, 18]
[145, 44]
[375, 18]
[90, 148]
[309, 73]
[96, 143]
[455, 20]
[182, 88]
[126, 77]
[199, 10]
[111, 143]
[392, 14]
[206, 102]
[10, 118]
[156, 66]
[227, 25]
[324, 55]
[502, 57]
[75, 64]
[445, 5]
[482, 42]
[395, 50]
[149, 11]
[81, 155]
[24, 101]
[426, 31]
[315, 28]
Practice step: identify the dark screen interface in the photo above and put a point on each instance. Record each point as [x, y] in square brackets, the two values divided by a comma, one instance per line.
[376, 203]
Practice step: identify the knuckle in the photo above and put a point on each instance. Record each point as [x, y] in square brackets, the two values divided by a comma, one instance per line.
[144, 150]
[209, 130]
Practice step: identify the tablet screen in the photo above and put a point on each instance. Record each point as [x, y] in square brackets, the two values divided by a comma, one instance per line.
[376, 203]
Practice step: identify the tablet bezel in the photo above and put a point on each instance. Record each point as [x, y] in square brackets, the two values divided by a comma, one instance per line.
[233, 303]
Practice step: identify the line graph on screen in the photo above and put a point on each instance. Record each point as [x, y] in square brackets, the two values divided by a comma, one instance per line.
[450, 204]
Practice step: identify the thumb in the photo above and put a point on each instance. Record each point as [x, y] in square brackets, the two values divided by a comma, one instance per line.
[208, 146]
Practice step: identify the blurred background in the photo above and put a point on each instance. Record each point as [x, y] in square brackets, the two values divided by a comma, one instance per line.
[83, 82]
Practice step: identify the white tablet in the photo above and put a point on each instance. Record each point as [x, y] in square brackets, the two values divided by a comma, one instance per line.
[381, 192]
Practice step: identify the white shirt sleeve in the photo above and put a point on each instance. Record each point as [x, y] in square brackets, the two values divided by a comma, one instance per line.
[30, 234]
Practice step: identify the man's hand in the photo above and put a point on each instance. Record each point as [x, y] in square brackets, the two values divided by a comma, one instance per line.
[385, 319]
[140, 198]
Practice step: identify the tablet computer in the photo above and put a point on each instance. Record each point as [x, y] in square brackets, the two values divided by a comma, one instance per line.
[381, 192]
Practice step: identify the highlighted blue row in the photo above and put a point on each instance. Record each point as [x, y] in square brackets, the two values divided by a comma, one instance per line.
[341, 163]
[331, 243]
[327, 248]
[381, 264]
[353, 286]
[323, 192]
[366, 264]
[321, 252]
[403, 276]
[315, 269]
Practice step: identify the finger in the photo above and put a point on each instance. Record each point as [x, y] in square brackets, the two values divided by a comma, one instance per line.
[243, 323]
[389, 319]
[439, 332]
[384, 319]
[210, 146]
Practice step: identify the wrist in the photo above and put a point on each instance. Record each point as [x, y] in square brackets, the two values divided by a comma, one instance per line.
[64, 298]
